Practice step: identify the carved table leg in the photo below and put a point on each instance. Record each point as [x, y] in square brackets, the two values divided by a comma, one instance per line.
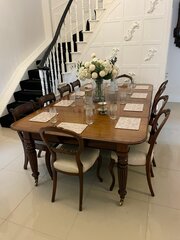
[32, 156]
[122, 168]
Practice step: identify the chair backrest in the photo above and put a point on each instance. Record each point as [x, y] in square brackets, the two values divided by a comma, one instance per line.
[46, 99]
[125, 76]
[64, 90]
[158, 123]
[76, 84]
[58, 134]
[23, 110]
[156, 108]
[158, 94]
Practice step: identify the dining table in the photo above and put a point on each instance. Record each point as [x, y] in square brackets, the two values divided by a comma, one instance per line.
[103, 133]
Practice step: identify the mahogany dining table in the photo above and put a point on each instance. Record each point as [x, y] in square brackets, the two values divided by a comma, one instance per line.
[101, 134]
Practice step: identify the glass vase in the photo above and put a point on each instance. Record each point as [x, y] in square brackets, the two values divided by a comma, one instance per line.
[98, 91]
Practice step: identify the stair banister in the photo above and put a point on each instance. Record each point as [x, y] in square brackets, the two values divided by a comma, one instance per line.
[46, 54]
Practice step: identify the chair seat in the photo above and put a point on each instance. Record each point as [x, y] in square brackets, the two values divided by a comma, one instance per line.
[67, 163]
[136, 155]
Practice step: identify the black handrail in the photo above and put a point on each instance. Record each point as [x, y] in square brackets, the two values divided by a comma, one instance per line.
[46, 54]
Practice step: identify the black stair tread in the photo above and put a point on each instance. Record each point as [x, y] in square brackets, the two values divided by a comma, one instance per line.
[30, 84]
[6, 120]
[27, 95]
[34, 74]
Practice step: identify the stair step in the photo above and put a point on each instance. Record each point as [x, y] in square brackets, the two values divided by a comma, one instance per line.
[27, 95]
[13, 105]
[30, 84]
[6, 120]
[33, 74]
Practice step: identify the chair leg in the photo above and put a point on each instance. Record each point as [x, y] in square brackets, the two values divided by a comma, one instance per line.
[48, 163]
[111, 166]
[148, 176]
[54, 185]
[25, 161]
[39, 153]
[151, 171]
[99, 163]
[80, 191]
[154, 162]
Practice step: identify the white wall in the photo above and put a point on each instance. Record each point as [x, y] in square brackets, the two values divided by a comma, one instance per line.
[24, 30]
[173, 65]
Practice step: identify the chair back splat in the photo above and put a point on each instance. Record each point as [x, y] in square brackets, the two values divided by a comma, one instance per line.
[46, 99]
[64, 90]
[75, 85]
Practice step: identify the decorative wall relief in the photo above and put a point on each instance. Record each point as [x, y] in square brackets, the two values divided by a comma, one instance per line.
[150, 54]
[153, 4]
[131, 31]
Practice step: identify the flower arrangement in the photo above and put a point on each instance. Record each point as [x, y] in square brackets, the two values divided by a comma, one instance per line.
[99, 69]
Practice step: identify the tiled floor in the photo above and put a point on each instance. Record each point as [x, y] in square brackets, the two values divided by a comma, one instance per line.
[26, 212]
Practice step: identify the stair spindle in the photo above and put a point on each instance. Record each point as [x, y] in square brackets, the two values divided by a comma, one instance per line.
[52, 73]
[97, 5]
[71, 32]
[58, 62]
[83, 20]
[55, 68]
[66, 44]
[90, 13]
[76, 16]
[62, 57]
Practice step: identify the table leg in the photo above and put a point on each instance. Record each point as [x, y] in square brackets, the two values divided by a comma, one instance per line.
[32, 156]
[122, 168]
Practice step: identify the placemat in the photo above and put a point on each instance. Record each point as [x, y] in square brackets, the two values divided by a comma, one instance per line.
[64, 103]
[76, 127]
[142, 87]
[43, 117]
[134, 107]
[128, 123]
[139, 95]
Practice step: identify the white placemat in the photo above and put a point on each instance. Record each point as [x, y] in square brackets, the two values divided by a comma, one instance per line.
[64, 103]
[43, 117]
[128, 123]
[76, 127]
[142, 87]
[134, 107]
[139, 95]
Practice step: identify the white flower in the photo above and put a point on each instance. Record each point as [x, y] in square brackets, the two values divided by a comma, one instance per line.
[94, 75]
[114, 73]
[92, 67]
[87, 64]
[102, 73]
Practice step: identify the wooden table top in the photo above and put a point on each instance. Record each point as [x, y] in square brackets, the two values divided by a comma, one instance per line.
[103, 128]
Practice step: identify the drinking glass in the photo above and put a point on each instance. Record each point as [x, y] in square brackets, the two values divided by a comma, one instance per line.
[113, 111]
[89, 115]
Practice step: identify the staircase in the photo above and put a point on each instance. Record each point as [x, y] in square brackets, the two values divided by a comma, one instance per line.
[60, 58]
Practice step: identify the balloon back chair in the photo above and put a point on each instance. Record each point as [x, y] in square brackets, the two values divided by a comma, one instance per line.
[142, 154]
[20, 112]
[72, 159]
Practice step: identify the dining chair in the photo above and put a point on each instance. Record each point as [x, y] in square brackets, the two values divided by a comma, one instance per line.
[142, 154]
[20, 112]
[159, 93]
[64, 90]
[72, 159]
[75, 85]
[44, 101]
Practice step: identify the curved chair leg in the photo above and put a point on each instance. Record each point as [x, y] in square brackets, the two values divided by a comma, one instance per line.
[25, 161]
[154, 162]
[80, 191]
[151, 171]
[111, 166]
[39, 153]
[99, 162]
[148, 176]
[54, 185]
[48, 163]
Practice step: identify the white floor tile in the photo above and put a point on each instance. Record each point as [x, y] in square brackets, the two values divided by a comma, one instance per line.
[104, 219]
[11, 231]
[13, 188]
[163, 223]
